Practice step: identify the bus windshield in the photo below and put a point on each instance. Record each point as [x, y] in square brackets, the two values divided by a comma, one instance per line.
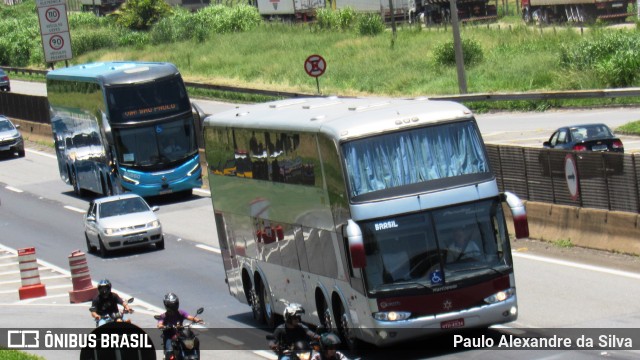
[414, 156]
[156, 144]
[159, 98]
[437, 247]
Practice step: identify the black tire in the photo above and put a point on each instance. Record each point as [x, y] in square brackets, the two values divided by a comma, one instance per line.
[326, 318]
[21, 153]
[267, 307]
[73, 177]
[346, 332]
[256, 305]
[103, 250]
[160, 244]
[90, 249]
[526, 15]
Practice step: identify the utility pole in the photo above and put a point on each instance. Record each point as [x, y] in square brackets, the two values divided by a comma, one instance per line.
[457, 43]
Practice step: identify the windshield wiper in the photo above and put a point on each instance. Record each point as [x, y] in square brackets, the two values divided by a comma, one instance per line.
[400, 286]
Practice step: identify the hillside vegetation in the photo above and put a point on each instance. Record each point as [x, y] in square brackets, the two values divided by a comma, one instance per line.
[233, 46]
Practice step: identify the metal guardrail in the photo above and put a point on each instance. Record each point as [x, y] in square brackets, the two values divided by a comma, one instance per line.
[545, 95]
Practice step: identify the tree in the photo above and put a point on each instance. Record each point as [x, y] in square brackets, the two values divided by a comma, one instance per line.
[141, 14]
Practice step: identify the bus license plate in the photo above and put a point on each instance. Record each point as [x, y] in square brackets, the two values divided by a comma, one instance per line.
[451, 324]
[163, 192]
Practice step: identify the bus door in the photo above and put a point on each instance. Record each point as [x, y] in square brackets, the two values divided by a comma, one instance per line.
[227, 250]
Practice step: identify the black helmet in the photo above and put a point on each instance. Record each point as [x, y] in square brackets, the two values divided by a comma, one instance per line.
[171, 302]
[104, 287]
[293, 311]
[329, 341]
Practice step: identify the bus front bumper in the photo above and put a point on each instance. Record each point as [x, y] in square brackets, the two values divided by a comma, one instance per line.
[385, 333]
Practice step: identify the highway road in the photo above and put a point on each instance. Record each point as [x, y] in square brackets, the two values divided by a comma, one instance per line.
[508, 128]
[554, 289]
[566, 288]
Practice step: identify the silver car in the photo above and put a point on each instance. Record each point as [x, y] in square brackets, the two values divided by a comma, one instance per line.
[121, 221]
[10, 138]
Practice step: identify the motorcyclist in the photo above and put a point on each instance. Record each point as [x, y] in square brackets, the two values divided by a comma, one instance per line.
[173, 316]
[293, 330]
[106, 303]
[329, 342]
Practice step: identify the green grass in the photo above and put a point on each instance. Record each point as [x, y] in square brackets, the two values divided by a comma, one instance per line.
[632, 128]
[563, 243]
[17, 355]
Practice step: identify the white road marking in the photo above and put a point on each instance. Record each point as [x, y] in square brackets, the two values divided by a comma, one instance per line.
[11, 188]
[68, 207]
[578, 265]
[266, 354]
[202, 191]
[208, 248]
[230, 340]
[41, 153]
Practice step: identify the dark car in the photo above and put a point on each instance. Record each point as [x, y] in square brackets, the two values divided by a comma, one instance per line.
[10, 138]
[5, 84]
[596, 146]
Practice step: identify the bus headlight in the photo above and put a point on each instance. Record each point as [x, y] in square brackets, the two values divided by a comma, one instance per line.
[500, 296]
[392, 315]
[129, 180]
[195, 168]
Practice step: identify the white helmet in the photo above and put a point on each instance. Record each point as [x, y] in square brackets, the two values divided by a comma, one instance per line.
[293, 311]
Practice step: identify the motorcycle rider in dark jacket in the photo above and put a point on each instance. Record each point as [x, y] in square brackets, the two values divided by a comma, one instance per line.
[173, 316]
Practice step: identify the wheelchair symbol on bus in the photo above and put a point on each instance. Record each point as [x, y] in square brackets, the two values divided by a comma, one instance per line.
[436, 277]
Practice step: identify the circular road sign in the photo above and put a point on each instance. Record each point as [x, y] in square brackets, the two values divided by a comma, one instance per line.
[571, 176]
[56, 42]
[52, 15]
[315, 65]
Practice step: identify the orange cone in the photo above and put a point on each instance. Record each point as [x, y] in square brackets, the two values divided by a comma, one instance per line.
[30, 275]
[83, 289]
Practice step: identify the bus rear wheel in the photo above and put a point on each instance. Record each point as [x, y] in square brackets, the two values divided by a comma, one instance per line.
[346, 332]
[267, 306]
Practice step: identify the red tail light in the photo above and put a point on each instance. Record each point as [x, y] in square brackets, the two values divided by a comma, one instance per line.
[5, 78]
[580, 147]
[617, 144]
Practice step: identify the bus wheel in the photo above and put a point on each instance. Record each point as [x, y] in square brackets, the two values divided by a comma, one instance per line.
[267, 306]
[73, 176]
[346, 331]
[256, 305]
[327, 318]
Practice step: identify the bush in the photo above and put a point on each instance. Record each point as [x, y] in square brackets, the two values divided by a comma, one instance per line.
[343, 19]
[142, 14]
[472, 53]
[370, 24]
[90, 40]
[621, 69]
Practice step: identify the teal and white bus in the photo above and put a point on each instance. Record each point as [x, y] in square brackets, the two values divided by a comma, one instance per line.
[124, 126]
[353, 208]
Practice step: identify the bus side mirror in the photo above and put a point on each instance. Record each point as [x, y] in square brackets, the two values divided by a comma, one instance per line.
[356, 245]
[519, 214]
[198, 114]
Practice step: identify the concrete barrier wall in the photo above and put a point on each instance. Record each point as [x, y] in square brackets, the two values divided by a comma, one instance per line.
[34, 131]
[590, 228]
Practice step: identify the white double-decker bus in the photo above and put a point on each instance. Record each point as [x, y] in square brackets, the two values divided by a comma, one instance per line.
[350, 208]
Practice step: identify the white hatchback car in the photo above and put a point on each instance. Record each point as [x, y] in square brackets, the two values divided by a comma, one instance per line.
[121, 221]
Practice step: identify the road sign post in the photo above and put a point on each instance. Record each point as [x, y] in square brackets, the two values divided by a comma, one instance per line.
[315, 65]
[54, 30]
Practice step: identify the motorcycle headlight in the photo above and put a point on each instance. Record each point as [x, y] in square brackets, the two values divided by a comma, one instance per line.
[189, 343]
[304, 355]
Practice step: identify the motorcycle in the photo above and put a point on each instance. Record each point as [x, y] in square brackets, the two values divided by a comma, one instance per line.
[300, 350]
[184, 342]
[115, 317]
